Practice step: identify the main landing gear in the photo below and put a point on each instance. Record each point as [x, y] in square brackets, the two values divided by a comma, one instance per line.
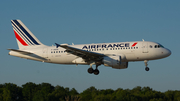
[147, 68]
[91, 70]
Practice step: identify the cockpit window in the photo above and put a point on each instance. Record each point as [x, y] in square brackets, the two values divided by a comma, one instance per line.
[158, 46]
[161, 46]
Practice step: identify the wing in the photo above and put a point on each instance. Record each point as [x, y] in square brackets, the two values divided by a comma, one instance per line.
[87, 55]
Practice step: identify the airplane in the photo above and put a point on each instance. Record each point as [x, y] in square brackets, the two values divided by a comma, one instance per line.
[116, 55]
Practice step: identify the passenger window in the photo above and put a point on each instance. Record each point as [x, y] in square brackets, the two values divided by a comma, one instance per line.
[150, 46]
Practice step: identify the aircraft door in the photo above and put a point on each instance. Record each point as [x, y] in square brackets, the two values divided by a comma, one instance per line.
[45, 52]
[145, 47]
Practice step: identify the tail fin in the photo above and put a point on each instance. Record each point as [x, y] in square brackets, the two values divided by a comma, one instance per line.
[25, 38]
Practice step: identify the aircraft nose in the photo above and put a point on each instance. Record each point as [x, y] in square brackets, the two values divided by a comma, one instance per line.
[167, 52]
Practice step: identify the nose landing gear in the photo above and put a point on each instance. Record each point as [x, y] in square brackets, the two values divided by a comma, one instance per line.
[147, 68]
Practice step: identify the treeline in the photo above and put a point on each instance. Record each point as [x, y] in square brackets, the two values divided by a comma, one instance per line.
[46, 92]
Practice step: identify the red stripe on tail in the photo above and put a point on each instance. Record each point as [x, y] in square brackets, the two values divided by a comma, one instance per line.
[20, 39]
[134, 44]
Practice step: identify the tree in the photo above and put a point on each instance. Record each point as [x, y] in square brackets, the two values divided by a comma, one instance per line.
[123, 95]
[1, 94]
[29, 90]
[88, 94]
[101, 97]
[43, 91]
[58, 94]
[39, 96]
[107, 91]
[46, 92]
[73, 91]
[6, 95]
[13, 91]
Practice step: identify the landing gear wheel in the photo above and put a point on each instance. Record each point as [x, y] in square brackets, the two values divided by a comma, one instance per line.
[147, 68]
[90, 70]
[96, 71]
[146, 64]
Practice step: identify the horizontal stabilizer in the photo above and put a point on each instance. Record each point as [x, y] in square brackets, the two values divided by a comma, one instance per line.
[20, 51]
[25, 53]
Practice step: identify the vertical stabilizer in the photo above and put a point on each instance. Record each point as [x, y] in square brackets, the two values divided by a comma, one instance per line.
[25, 38]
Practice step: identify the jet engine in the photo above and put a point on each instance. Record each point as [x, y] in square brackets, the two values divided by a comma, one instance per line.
[114, 62]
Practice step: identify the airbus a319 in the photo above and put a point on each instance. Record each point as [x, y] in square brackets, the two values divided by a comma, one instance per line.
[115, 55]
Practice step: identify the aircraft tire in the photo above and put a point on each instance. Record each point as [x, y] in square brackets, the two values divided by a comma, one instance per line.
[96, 71]
[147, 68]
[90, 70]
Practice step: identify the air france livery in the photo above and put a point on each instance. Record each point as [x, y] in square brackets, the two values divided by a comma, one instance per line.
[115, 55]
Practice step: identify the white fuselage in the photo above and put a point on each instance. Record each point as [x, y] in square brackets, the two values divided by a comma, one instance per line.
[129, 51]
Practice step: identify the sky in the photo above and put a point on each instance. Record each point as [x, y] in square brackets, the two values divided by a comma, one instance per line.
[93, 21]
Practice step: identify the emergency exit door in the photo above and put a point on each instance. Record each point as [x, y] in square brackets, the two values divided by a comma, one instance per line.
[145, 47]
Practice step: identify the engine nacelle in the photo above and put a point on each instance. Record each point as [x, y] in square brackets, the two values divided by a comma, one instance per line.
[114, 62]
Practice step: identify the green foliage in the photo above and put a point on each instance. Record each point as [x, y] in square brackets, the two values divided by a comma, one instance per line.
[46, 92]
[29, 90]
[10, 92]
[6, 95]
[73, 91]
[43, 92]
[88, 94]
